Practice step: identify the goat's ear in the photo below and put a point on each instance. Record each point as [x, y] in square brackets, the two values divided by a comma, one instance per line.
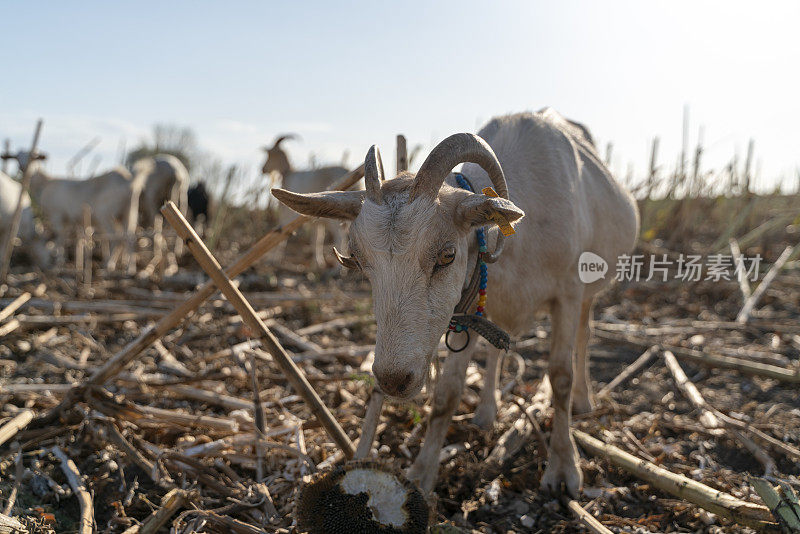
[344, 205]
[480, 210]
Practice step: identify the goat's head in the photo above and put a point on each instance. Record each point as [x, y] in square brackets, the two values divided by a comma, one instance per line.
[277, 160]
[410, 236]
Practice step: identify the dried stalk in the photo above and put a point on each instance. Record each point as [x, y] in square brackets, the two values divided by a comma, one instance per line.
[339, 322]
[19, 472]
[14, 306]
[133, 453]
[79, 489]
[629, 371]
[187, 419]
[173, 501]
[370, 425]
[708, 417]
[293, 372]
[713, 500]
[750, 303]
[258, 416]
[585, 518]
[712, 360]
[514, 438]
[738, 259]
[11, 236]
[9, 327]
[20, 421]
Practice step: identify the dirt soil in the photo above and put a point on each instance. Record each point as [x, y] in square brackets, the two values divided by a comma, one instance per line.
[61, 340]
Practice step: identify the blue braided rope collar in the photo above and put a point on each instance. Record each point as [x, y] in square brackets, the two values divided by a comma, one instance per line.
[480, 234]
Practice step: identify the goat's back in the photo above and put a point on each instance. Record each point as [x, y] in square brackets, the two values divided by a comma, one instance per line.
[108, 195]
[571, 201]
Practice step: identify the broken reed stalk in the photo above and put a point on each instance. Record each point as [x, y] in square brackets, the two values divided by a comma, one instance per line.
[132, 452]
[715, 501]
[19, 471]
[629, 371]
[738, 260]
[8, 245]
[712, 360]
[516, 436]
[708, 417]
[585, 518]
[370, 425]
[753, 299]
[170, 321]
[79, 489]
[20, 421]
[173, 501]
[9, 327]
[258, 418]
[293, 373]
[15, 304]
[88, 248]
[690, 391]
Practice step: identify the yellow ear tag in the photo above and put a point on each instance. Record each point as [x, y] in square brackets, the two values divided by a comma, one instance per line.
[501, 221]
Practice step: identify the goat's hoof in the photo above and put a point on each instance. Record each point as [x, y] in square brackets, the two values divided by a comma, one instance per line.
[582, 405]
[423, 476]
[484, 416]
[562, 477]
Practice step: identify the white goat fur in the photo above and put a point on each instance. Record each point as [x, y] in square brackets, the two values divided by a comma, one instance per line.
[165, 178]
[31, 242]
[113, 198]
[572, 204]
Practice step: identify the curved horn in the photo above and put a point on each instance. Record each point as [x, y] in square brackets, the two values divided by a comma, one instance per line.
[461, 148]
[347, 261]
[283, 138]
[373, 174]
[458, 148]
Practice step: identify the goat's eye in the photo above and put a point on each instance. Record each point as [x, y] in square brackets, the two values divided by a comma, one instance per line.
[446, 256]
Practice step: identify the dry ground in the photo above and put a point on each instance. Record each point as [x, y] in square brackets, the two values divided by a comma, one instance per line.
[60, 341]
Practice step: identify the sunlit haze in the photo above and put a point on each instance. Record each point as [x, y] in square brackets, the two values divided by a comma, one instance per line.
[347, 75]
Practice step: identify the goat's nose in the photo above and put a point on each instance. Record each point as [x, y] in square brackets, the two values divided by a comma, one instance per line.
[396, 383]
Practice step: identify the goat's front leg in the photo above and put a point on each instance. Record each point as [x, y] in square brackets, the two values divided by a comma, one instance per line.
[446, 396]
[582, 385]
[486, 412]
[562, 466]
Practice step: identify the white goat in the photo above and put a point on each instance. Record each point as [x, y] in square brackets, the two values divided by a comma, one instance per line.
[413, 237]
[165, 178]
[113, 198]
[32, 243]
[305, 182]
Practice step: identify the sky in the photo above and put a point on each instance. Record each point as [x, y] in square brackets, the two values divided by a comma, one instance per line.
[345, 75]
